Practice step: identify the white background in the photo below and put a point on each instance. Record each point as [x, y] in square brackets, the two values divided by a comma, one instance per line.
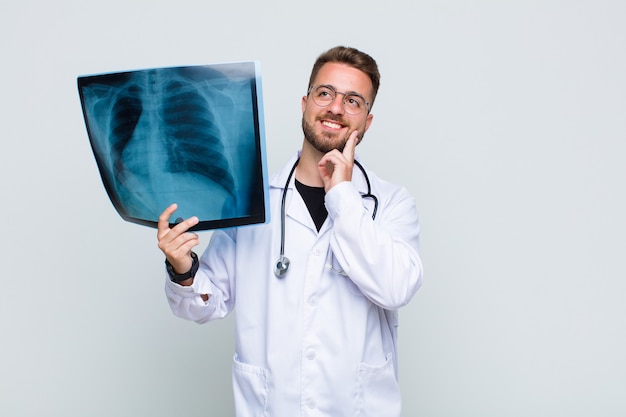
[505, 119]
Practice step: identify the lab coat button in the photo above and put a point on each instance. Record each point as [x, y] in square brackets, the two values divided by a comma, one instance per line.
[313, 302]
[317, 251]
[311, 404]
[310, 355]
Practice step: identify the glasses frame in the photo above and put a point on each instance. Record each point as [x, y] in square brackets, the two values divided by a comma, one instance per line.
[343, 102]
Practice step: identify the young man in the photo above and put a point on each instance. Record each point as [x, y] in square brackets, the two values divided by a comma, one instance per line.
[316, 333]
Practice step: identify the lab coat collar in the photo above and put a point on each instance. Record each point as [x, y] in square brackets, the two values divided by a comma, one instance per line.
[279, 178]
[295, 207]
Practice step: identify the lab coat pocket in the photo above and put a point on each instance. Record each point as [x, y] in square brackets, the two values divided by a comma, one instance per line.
[249, 389]
[378, 390]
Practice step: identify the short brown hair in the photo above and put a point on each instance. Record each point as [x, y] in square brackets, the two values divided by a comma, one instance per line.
[352, 57]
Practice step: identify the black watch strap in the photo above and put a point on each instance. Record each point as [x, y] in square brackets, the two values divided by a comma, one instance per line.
[174, 277]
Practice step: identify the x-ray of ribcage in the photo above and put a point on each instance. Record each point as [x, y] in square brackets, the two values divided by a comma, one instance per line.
[189, 135]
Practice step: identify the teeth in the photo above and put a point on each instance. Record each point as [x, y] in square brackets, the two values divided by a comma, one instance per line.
[332, 125]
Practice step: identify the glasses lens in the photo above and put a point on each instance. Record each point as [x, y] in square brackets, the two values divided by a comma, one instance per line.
[353, 104]
[323, 96]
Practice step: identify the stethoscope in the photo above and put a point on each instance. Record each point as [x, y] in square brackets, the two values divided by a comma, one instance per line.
[282, 265]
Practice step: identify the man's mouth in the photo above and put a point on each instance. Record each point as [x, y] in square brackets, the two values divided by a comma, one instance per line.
[330, 124]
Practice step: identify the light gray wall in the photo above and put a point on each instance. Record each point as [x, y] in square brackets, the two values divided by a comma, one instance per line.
[506, 120]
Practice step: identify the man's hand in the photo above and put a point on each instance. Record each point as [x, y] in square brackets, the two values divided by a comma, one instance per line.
[335, 166]
[176, 243]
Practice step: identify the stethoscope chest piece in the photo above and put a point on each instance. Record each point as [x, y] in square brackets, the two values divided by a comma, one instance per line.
[282, 266]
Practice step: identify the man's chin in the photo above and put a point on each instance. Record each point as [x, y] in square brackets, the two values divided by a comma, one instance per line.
[327, 147]
[327, 144]
[322, 142]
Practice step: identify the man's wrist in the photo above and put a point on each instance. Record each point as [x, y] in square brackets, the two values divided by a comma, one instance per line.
[179, 278]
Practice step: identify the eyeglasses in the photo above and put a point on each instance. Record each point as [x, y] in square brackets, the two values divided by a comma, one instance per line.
[324, 95]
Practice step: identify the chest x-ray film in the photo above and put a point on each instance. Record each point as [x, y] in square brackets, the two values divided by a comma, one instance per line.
[190, 135]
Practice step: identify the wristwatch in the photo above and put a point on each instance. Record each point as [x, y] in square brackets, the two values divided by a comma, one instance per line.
[174, 277]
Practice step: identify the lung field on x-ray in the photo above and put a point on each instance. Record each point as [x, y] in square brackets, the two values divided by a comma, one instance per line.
[170, 137]
[186, 118]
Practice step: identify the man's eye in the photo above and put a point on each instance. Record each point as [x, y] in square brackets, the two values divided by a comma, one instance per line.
[354, 101]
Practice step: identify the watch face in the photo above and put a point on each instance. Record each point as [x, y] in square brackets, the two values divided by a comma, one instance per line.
[189, 135]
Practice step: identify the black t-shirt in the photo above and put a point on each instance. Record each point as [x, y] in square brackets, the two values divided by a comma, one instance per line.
[314, 199]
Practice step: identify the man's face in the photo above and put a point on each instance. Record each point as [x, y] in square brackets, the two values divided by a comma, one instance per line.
[328, 128]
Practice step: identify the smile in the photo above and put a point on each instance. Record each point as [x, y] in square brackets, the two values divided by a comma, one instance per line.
[331, 124]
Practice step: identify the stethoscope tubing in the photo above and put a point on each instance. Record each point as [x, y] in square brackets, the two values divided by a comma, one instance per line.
[282, 211]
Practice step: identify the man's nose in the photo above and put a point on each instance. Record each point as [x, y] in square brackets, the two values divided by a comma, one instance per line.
[336, 106]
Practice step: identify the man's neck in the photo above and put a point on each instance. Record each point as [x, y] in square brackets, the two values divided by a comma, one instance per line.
[307, 172]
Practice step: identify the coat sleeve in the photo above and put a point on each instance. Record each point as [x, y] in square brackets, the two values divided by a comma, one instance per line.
[380, 256]
[214, 278]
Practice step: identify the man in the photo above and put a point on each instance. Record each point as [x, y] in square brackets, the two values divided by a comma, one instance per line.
[316, 335]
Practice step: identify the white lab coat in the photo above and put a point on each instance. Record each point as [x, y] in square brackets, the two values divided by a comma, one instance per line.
[322, 340]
